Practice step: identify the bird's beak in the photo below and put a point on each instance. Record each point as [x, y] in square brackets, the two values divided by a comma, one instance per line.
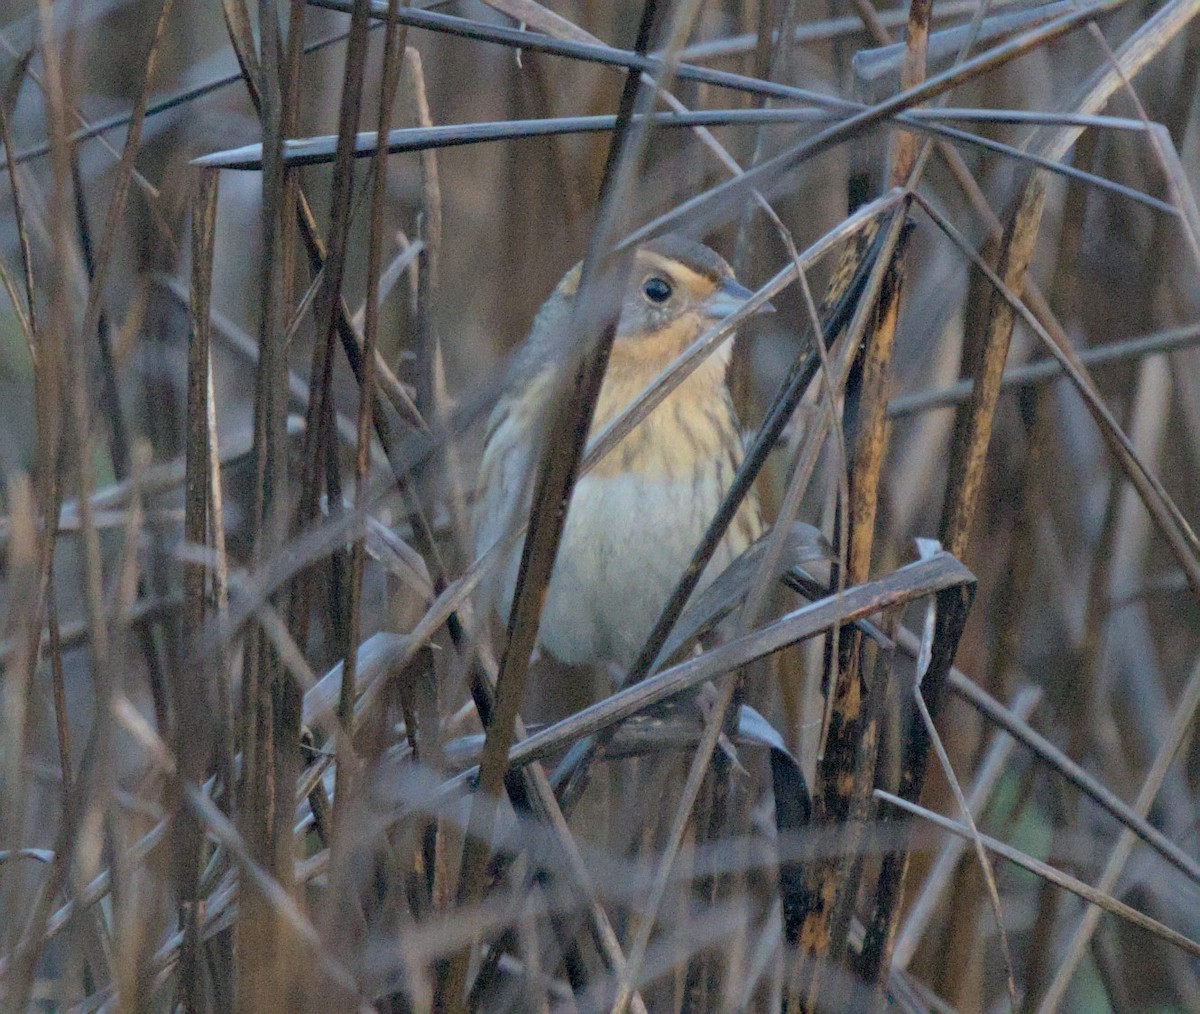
[731, 296]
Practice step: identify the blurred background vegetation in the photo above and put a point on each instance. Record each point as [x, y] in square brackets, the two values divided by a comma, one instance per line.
[151, 726]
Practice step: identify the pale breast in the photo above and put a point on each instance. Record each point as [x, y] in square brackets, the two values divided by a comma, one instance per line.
[627, 541]
[634, 521]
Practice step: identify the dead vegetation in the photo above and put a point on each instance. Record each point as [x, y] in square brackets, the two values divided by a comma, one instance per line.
[258, 752]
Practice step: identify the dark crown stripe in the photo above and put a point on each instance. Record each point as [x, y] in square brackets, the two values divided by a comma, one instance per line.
[695, 256]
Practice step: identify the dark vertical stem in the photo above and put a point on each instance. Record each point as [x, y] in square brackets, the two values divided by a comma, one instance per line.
[191, 726]
[62, 726]
[111, 409]
[341, 200]
[267, 809]
[972, 436]
[110, 399]
[594, 323]
[347, 762]
[845, 771]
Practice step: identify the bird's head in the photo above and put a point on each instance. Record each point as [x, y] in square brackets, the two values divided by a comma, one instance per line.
[677, 289]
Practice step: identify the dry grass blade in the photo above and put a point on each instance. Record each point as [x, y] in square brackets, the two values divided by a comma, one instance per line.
[1042, 748]
[1175, 529]
[1181, 728]
[27, 312]
[892, 66]
[697, 771]
[1055, 758]
[319, 150]
[985, 867]
[116, 206]
[224, 831]
[977, 698]
[269, 726]
[332, 278]
[939, 878]
[910, 582]
[591, 52]
[986, 360]
[1050, 369]
[47, 146]
[710, 204]
[164, 105]
[1099, 898]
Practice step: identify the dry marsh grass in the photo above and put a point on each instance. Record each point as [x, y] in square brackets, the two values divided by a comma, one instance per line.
[927, 746]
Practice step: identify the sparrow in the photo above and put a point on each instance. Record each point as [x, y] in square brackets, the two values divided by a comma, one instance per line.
[635, 519]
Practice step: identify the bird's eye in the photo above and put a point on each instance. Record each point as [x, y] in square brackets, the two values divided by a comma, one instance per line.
[657, 290]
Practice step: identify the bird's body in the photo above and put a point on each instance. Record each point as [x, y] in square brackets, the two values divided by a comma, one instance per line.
[636, 518]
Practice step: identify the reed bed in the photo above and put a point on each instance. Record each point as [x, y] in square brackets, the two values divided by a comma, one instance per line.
[928, 746]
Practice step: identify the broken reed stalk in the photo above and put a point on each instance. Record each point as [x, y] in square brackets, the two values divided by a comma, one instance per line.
[846, 768]
[972, 436]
